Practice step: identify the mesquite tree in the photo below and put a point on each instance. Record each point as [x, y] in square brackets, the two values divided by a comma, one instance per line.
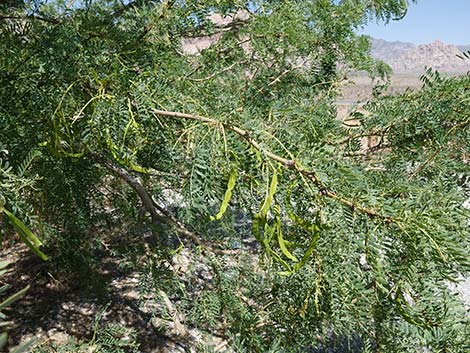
[217, 119]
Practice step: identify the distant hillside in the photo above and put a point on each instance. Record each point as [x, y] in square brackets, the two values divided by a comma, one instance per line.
[411, 58]
[386, 51]
[464, 47]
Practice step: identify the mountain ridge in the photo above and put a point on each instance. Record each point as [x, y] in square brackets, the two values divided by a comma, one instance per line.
[405, 57]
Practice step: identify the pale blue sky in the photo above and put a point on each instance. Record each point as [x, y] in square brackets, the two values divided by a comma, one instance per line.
[428, 20]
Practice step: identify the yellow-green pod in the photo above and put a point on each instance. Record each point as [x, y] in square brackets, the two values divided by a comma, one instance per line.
[228, 195]
[282, 242]
[269, 197]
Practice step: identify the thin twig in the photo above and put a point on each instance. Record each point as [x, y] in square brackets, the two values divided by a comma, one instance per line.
[228, 68]
[281, 75]
[277, 79]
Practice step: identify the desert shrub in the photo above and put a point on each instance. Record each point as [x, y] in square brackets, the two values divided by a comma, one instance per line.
[240, 141]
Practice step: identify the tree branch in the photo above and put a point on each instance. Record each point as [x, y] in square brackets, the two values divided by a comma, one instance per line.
[287, 163]
[158, 213]
[228, 68]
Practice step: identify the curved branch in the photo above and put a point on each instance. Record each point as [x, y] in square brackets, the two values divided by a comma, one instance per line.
[287, 163]
[158, 213]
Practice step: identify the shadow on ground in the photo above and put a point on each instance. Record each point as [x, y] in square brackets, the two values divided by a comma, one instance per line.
[55, 308]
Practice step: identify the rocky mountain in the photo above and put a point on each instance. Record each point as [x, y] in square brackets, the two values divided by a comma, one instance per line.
[386, 51]
[411, 58]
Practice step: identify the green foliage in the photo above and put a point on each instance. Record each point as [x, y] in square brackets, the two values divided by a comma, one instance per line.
[13, 188]
[6, 302]
[354, 242]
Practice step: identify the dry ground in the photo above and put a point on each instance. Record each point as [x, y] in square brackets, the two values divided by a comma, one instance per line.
[58, 307]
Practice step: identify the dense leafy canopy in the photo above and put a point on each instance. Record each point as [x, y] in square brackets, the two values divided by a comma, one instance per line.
[116, 100]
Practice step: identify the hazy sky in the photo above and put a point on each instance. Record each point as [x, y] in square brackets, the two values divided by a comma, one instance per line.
[428, 20]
